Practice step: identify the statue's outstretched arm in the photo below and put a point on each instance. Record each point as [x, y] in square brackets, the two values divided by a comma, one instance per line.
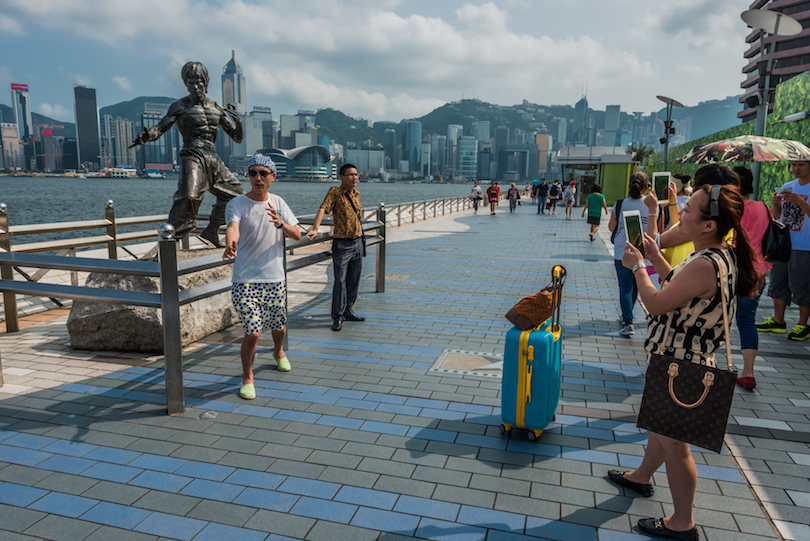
[232, 124]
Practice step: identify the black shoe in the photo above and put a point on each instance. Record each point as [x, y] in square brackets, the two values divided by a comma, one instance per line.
[354, 317]
[655, 526]
[618, 478]
[212, 238]
[337, 325]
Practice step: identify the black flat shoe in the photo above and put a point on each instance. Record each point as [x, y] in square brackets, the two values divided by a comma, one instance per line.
[618, 478]
[354, 317]
[337, 325]
[655, 526]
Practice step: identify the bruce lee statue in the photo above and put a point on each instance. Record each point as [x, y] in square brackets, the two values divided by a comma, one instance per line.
[199, 118]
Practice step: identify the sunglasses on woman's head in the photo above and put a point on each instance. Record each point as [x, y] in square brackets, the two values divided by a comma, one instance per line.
[263, 173]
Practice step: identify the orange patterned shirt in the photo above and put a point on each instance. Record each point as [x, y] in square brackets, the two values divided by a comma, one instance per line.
[347, 226]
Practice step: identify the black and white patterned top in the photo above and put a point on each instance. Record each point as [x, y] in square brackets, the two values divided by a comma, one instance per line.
[697, 328]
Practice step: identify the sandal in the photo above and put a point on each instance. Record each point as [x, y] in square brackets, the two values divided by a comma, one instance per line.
[655, 526]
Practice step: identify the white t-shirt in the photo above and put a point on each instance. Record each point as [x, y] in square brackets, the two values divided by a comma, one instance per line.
[260, 251]
[796, 220]
[621, 237]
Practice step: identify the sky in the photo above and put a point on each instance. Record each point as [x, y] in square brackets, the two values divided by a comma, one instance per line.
[377, 59]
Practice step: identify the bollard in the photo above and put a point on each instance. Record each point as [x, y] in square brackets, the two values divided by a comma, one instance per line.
[7, 273]
[381, 251]
[112, 244]
[170, 308]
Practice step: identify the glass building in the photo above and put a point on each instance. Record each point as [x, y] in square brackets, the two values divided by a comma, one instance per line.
[21, 108]
[88, 137]
[413, 144]
[468, 158]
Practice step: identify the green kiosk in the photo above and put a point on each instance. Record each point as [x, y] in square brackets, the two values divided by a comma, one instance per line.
[609, 166]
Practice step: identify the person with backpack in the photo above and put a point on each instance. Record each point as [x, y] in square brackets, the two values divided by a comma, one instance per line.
[542, 194]
[553, 196]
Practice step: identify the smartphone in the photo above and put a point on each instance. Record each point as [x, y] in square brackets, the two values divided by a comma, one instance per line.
[633, 229]
[660, 182]
[787, 190]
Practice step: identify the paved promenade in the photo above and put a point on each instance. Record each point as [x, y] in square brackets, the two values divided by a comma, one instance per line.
[369, 437]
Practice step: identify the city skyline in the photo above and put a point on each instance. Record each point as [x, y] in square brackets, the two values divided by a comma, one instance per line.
[386, 60]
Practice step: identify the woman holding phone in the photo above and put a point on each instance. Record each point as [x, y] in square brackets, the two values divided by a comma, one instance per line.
[639, 182]
[689, 304]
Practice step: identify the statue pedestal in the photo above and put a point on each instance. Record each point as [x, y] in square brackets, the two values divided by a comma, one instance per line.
[116, 327]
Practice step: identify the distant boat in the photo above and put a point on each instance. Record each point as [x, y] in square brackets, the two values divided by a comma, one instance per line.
[152, 174]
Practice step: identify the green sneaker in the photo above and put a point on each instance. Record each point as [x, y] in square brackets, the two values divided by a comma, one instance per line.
[800, 332]
[772, 326]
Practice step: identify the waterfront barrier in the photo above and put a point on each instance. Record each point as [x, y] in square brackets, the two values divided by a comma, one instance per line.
[167, 269]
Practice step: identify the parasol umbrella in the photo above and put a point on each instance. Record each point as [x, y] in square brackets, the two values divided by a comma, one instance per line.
[536, 181]
[747, 148]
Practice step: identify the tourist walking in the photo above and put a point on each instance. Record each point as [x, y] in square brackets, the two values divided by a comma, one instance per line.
[348, 244]
[594, 205]
[689, 306]
[514, 196]
[790, 282]
[568, 198]
[535, 189]
[628, 292]
[258, 221]
[554, 193]
[492, 196]
[199, 118]
[475, 196]
[542, 194]
[755, 222]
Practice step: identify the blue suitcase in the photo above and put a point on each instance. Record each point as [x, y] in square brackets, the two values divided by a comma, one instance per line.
[531, 374]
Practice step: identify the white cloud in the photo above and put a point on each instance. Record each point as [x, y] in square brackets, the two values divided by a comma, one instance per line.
[379, 59]
[55, 111]
[9, 25]
[82, 80]
[123, 82]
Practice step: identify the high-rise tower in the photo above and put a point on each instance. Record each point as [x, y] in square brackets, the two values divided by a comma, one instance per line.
[21, 107]
[88, 137]
[234, 89]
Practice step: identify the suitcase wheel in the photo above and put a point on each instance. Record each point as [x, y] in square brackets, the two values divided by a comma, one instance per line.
[506, 429]
[532, 435]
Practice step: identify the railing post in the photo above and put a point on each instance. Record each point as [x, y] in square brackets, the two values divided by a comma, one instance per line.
[424, 211]
[7, 273]
[74, 276]
[381, 251]
[1, 370]
[443, 202]
[399, 215]
[112, 244]
[170, 308]
[413, 212]
[434, 208]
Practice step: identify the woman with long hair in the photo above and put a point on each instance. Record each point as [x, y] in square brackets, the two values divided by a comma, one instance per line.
[690, 302]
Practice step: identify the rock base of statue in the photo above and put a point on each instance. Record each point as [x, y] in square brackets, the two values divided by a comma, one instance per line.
[116, 327]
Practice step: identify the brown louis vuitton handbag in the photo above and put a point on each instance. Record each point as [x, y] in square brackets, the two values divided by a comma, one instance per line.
[687, 401]
[533, 310]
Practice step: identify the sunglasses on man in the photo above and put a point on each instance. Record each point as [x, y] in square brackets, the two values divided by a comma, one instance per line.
[263, 173]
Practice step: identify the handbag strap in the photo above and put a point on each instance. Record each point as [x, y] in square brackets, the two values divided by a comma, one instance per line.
[357, 213]
[671, 316]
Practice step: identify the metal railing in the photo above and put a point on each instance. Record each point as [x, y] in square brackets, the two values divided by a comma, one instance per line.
[114, 240]
[167, 269]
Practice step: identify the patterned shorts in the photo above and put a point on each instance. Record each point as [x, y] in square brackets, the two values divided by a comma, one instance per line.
[260, 306]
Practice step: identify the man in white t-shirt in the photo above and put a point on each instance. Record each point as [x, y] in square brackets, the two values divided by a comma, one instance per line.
[791, 281]
[257, 222]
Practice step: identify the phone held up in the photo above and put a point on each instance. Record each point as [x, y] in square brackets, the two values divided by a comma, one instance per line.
[633, 229]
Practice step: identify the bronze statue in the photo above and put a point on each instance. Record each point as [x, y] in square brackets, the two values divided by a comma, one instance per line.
[199, 118]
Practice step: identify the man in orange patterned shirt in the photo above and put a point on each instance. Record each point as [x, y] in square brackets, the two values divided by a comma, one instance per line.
[347, 245]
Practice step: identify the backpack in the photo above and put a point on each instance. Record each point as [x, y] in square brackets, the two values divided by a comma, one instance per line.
[554, 191]
[619, 217]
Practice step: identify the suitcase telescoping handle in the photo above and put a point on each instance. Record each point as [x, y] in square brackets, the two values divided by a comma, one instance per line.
[558, 274]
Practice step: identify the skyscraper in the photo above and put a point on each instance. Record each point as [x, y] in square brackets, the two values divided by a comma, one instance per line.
[581, 121]
[454, 132]
[122, 135]
[468, 157]
[107, 145]
[480, 130]
[612, 115]
[390, 145]
[21, 109]
[413, 144]
[234, 89]
[88, 138]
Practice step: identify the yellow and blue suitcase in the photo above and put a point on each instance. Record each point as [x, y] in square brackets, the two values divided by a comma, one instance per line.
[531, 375]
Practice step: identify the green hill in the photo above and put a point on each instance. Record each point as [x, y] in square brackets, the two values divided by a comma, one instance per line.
[133, 109]
[68, 129]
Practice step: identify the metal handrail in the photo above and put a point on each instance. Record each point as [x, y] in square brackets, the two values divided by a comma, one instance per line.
[167, 269]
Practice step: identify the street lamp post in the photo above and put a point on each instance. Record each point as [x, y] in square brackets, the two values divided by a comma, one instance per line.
[668, 129]
[775, 24]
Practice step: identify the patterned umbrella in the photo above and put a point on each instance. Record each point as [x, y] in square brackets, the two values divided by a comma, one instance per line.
[747, 148]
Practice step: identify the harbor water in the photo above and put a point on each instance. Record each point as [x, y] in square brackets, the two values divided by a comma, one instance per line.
[34, 200]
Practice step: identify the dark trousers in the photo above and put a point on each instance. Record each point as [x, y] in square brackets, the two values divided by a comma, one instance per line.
[347, 259]
[201, 171]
